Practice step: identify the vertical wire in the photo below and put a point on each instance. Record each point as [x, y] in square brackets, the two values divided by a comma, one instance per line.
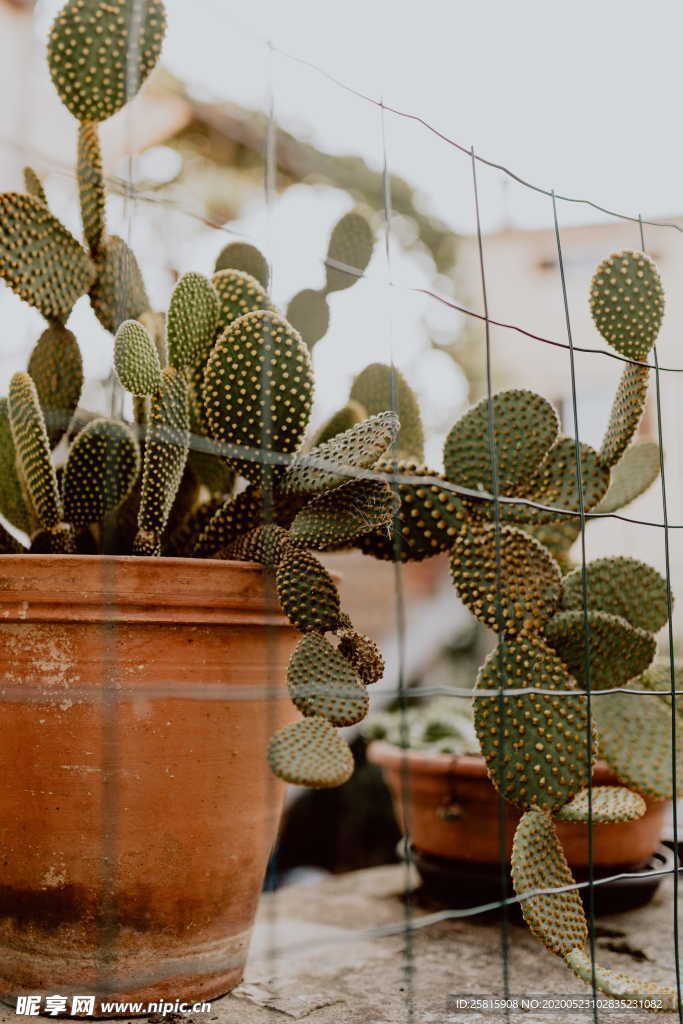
[400, 606]
[584, 593]
[500, 617]
[672, 668]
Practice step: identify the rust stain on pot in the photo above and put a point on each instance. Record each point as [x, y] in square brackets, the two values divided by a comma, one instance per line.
[44, 908]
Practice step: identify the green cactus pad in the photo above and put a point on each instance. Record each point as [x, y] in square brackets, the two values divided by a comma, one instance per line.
[57, 540]
[39, 259]
[627, 302]
[381, 387]
[558, 538]
[351, 244]
[166, 448]
[33, 185]
[635, 740]
[181, 542]
[322, 682]
[543, 758]
[626, 413]
[119, 292]
[336, 518]
[136, 359]
[617, 651]
[429, 519]
[266, 544]
[525, 428]
[609, 804]
[246, 257]
[344, 419]
[307, 593]
[91, 187]
[103, 465]
[637, 470]
[363, 655]
[101, 51]
[238, 294]
[538, 862]
[12, 503]
[309, 313]
[310, 753]
[555, 484]
[616, 985]
[258, 388]
[233, 517]
[621, 586]
[358, 448]
[33, 451]
[525, 594]
[56, 368]
[191, 322]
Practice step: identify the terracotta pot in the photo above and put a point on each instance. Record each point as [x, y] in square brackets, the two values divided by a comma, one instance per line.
[453, 811]
[137, 810]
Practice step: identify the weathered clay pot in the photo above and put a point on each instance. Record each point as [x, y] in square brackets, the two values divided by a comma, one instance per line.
[453, 811]
[137, 810]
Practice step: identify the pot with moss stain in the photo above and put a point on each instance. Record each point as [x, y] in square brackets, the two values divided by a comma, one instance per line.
[453, 812]
[137, 811]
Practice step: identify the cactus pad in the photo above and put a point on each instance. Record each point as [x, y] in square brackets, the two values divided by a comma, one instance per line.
[246, 257]
[538, 862]
[617, 651]
[136, 359]
[516, 415]
[321, 682]
[39, 259]
[238, 294]
[555, 483]
[543, 760]
[33, 185]
[266, 544]
[166, 450]
[558, 538]
[358, 448]
[191, 322]
[310, 753]
[609, 804]
[363, 655]
[258, 388]
[351, 244]
[57, 371]
[119, 292]
[626, 413]
[33, 451]
[627, 303]
[429, 519]
[12, 503]
[100, 53]
[635, 740]
[336, 518]
[616, 985]
[91, 187]
[309, 313]
[307, 593]
[621, 586]
[637, 470]
[232, 517]
[381, 387]
[103, 465]
[344, 419]
[527, 592]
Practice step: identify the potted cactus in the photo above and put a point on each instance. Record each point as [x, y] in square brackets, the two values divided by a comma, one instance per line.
[161, 603]
[508, 509]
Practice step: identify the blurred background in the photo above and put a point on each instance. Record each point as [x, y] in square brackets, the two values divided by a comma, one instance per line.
[582, 105]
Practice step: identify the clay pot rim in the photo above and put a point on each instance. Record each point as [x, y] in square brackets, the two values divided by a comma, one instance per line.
[126, 560]
[470, 766]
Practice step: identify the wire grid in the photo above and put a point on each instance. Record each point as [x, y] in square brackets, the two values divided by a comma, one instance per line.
[109, 695]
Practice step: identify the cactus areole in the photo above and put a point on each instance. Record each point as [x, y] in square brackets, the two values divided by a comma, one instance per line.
[213, 464]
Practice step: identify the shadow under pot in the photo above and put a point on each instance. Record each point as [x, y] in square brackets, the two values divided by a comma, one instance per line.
[453, 816]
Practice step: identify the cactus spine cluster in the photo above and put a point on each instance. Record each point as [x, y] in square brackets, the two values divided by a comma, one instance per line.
[222, 389]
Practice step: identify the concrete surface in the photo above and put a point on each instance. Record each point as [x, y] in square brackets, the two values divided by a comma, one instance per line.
[311, 962]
